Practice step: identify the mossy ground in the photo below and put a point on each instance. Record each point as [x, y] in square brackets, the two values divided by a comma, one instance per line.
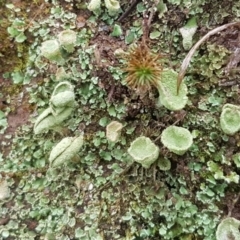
[127, 201]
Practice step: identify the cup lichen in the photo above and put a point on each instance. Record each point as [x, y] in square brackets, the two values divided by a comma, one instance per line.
[51, 50]
[177, 139]
[230, 119]
[65, 150]
[168, 95]
[228, 229]
[60, 108]
[113, 131]
[67, 40]
[144, 151]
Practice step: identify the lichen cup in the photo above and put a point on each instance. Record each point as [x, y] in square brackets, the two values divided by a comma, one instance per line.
[62, 97]
[228, 227]
[50, 49]
[67, 40]
[177, 139]
[144, 151]
[168, 96]
[47, 120]
[113, 6]
[113, 131]
[230, 119]
[65, 150]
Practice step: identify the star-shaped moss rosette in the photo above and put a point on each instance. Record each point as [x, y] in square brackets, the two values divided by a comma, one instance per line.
[143, 151]
[177, 139]
[61, 104]
[230, 119]
[228, 229]
[168, 95]
[67, 40]
[143, 68]
[65, 150]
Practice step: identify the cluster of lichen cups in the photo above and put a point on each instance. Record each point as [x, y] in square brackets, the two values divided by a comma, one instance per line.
[61, 104]
[53, 49]
[178, 140]
[144, 151]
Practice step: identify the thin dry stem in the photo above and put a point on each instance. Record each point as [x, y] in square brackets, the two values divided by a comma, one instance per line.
[188, 58]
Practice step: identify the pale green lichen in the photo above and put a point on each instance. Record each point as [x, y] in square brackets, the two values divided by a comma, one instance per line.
[144, 151]
[67, 40]
[228, 229]
[177, 139]
[168, 95]
[62, 97]
[61, 105]
[94, 5]
[236, 159]
[4, 190]
[61, 74]
[65, 150]
[230, 119]
[113, 131]
[218, 173]
[188, 31]
[50, 49]
[164, 164]
[47, 120]
[113, 6]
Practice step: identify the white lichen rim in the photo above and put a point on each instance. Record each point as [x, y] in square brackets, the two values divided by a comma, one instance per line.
[176, 138]
[62, 87]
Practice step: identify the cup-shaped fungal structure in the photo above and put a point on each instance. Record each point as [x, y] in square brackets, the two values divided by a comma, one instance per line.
[168, 95]
[113, 6]
[230, 119]
[50, 49]
[47, 120]
[188, 31]
[144, 151]
[228, 227]
[177, 139]
[67, 40]
[94, 5]
[62, 97]
[65, 150]
[113, 131]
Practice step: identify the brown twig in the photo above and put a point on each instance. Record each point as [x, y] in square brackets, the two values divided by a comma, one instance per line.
[147, 23]
[233, 205]
[188, 58]
[128, 10]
